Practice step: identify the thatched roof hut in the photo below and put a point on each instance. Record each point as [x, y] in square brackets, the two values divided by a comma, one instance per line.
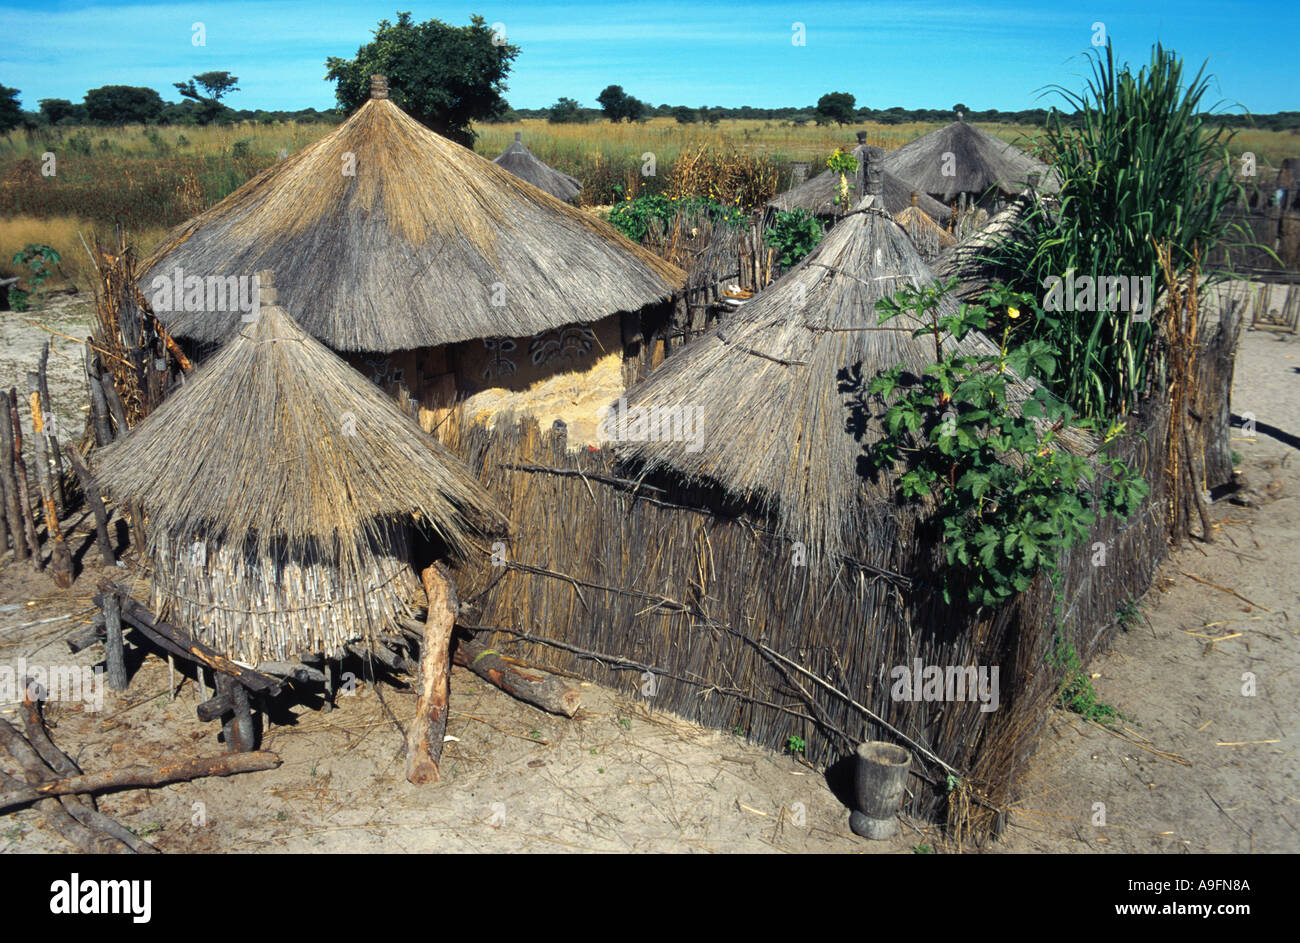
[385, 236]
[281, 488]
[817, 195]
[961, 158]
[524, 164]
[928, 236]
[766, 393]
[966, 260]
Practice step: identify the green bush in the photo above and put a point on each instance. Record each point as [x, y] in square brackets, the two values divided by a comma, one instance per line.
[793, 235]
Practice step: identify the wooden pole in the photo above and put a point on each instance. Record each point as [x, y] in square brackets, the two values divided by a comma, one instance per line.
[114, 646]
[10, 482]
[60, 557]
[98, 403]
[51, 434]
[20, 474]
[96, 505]
[424, 736]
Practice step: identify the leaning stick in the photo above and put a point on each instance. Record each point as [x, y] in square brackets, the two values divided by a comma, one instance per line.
[424, 737]
[96, 503]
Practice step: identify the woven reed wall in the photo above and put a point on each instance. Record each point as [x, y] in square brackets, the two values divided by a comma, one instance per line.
[693, 593]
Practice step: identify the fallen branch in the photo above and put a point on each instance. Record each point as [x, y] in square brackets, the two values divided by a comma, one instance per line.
[141, 777]
[534, 687]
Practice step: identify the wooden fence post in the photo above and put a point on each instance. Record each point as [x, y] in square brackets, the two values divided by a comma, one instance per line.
[9, 483]
[60, 558]
[114, 646]
[20, 474]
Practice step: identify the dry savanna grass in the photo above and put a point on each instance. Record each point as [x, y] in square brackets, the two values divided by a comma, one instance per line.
[61, 234]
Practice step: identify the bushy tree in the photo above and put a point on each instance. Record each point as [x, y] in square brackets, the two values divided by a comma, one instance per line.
[565, 111]
[837, 107]
[618, 105]
[685, 115]
[446, 77]
[56, 110]
[11, 114]
[123, 104]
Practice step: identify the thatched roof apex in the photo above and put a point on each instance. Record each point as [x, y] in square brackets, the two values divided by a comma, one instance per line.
[768, 389]
[386, 236]
[276, 439]
[981, 163]
[817, 195]
[523, 163]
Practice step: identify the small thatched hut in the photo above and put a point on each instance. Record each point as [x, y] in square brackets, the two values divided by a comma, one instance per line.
[437, 271]
[960, 159]
[523, 163]
[285, 495]
[928, 236]
[818, 194]
[968, 260]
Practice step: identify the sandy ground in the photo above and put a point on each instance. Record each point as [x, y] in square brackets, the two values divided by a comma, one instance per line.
[1195, 766]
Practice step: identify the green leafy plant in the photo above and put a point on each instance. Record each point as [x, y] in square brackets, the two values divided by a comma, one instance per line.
[795, 744]
[845, 165]
[921, 849]
[1009, 498]
[1077, 693]
[634, 217]
[793, 235]
[42, 260]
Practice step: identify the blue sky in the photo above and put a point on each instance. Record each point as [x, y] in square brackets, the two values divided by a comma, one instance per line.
[913, 54]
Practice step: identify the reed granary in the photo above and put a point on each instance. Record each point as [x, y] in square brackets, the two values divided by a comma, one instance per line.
[440, 274]
[730, 560]
[523, 163]
[291, 504]
[959, 162]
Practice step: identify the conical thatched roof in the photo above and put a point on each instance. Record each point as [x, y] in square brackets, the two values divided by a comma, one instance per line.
[817, 195]
[768, 388]
[928, 236]
[966, 259]
[278, 441]
[425, 243]
[524, 164]
[980, 163]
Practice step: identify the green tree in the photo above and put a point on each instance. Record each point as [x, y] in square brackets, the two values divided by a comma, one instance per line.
[613, 101]
[446, 77]
[685, 115]
[837, 107]
[11, 114]
[123, 104]
[216, 84]
[55, 110]
[565, 111]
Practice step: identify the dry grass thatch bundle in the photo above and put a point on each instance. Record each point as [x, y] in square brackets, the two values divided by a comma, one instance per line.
[280, 486]
[966, 260]
[523, 163]
[928, 236]
[961, 158]
[769, 392]
[386, 236]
